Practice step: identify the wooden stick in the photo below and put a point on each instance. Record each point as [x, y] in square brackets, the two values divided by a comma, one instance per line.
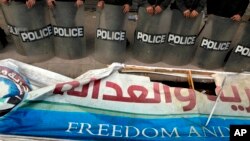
[190, 79]
[131, 68]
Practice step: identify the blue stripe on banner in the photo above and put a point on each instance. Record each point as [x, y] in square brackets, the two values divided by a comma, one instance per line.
[76, 125]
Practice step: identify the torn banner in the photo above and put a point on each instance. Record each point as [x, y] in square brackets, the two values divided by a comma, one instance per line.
[104, 104]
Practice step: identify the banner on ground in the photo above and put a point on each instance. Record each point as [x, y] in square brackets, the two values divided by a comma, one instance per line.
[17, 79]
[104, 104]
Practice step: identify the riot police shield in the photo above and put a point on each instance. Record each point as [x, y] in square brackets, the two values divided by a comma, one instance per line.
[180, 45]
[239, 58]
[30, 29]
[214, 42]
[68, 27]
[110, 40]
[150, 35]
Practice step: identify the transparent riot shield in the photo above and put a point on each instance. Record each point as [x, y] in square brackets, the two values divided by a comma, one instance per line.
[110, 40]
[214, 42]
[68, 26]
[14, 24]
[239, 58]
[180, 45]
[31, 25]
[150, 35]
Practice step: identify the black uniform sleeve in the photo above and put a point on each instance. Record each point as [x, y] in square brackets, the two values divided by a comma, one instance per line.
[181, 5]
[162, 3]
[144, 3]
[201, 5]
[166, 3]
[159, 2]
[242, 7]
[68, 0]
[118, 2]
[19, 1]
[129, 2]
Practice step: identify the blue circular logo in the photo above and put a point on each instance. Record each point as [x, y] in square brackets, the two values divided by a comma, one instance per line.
[8, 88]
[13, 86]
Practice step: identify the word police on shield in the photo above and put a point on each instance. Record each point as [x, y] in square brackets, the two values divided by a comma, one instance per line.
[29, 36]
[180, 39]
[151, 39]
[214, 45]
[73, 32]
[105, 34]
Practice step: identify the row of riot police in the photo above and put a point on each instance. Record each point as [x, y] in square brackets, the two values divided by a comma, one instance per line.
[172, 36]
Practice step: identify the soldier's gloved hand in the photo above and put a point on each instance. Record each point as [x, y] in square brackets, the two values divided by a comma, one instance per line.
[100, 4]
[79, 3]
[236, 17]
[158, 9]
[51, 3]
[126, 8]
[30, 3]
[187, 13]
[194, 14]
[150, 10]
[5, 1]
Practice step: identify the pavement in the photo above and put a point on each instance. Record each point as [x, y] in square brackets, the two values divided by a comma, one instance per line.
[74, 68]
